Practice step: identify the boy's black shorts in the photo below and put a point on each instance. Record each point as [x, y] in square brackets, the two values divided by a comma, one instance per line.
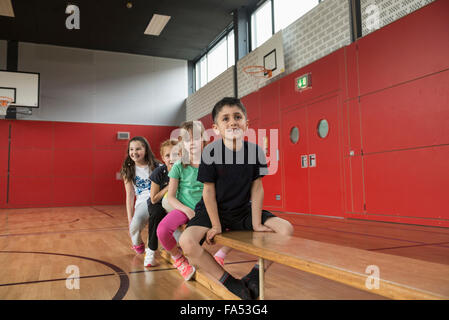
[242, 221]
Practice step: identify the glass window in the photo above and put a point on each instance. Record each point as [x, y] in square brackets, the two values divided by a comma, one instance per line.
[201, 72]
[197, 75]
[261, 25]
[217, 60]
[323, 128]
[294, 135]
[287, 11]
[231, 50]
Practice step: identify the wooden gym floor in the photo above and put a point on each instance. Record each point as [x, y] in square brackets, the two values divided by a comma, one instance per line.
[39, 246]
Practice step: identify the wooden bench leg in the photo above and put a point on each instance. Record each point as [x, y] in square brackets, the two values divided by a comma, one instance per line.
[261, 279]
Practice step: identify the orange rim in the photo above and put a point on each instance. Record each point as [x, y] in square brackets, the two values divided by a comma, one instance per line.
[5, 101]
[258, 71]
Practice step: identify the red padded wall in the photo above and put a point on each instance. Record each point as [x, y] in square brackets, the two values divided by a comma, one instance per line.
[67, 164]
[252, 105]
[269, 104]
[325, 79]
[351, 150]
[272, 183]
[409, 186]
[31, 164]
[406, 49]
[350, 84]
[325, 178]
[411, 115]
[4, 143]
[296, 179]
[207, 121]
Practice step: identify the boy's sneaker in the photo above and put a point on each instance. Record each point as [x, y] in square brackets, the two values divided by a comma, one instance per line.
[236, 286]
[140, 248]
[219, 260]
[187, 271]
[150, 259]
[252, 283]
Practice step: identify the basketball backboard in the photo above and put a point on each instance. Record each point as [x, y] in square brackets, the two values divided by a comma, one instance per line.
[22, 87]
[261, 65]
[270, 54]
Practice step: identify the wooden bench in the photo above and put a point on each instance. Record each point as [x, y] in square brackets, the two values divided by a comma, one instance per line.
[398, 277]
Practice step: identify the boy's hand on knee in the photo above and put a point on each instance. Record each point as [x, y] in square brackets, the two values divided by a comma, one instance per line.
[212, 233]
[261, 228]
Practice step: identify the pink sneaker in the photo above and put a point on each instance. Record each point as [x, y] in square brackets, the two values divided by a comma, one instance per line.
[187, 271]
[140, 248]
[219, 260]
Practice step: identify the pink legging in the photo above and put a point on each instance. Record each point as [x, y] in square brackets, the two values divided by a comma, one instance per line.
[168, 225]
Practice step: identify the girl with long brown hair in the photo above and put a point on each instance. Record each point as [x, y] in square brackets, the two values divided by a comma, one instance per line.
[136, 170]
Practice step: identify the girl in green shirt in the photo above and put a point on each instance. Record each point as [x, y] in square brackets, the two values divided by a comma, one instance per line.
[184, 191]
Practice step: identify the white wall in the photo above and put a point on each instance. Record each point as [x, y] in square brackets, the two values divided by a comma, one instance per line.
[3, 46]
[79, 85]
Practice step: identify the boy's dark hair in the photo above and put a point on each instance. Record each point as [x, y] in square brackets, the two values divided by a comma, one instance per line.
[227, 101]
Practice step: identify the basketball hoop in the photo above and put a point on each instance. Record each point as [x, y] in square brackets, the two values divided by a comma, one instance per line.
[4, 104]
[258, 73]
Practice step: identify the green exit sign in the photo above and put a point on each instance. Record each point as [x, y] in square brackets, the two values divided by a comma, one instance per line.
[304, 82]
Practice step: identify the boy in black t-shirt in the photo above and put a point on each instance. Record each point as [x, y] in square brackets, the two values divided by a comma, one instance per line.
[231, 170]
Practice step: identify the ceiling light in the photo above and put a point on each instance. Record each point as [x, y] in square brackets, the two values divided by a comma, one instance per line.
[157, 24]
[6, 8]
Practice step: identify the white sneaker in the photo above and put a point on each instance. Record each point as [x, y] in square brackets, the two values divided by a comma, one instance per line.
[150, 258]
[176, 235]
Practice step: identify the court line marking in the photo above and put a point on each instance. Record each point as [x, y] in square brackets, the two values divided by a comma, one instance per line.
[84, 277]
[42, 226]
[124, 279]
[63, 231]
[52, 280]
[384, 224]
[103, 212]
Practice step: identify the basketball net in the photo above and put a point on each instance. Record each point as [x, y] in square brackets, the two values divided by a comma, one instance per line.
[4, 104]
[258, 75]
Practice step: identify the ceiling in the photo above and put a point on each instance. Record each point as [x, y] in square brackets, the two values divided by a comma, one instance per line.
[109, 25]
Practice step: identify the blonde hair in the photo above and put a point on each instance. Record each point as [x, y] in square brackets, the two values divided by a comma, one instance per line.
[165, 144]
[190, 127]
